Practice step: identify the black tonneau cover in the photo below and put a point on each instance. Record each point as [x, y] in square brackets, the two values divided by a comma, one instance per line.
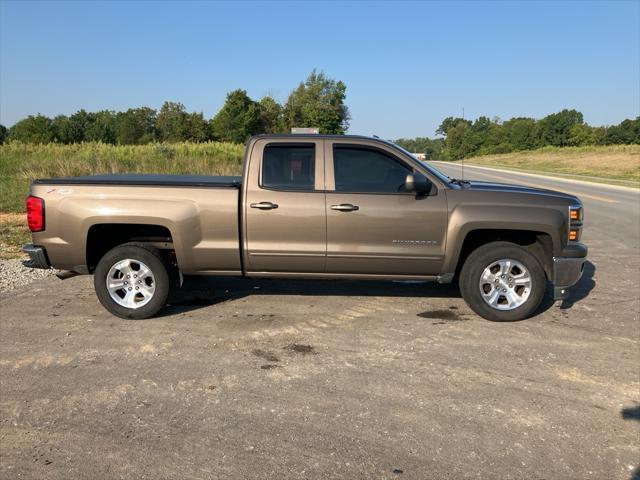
[146, 179]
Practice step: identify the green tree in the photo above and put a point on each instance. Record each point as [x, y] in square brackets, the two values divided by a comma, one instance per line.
[481, 125]
[62, 129]
[582, 134]
[271, 116]
[555, 129]
[172, 122]
[197, 128]
[33, 129]
[600, 135]
[431, 148]
[495, 139]
[103, 128]
[72, 129]
[81, 120]
[434, 149]
[460, 141]
[3, 134]
[463, 137]
[135, 126]
[450, 122]
[318, 102]
[522, 133]
[628, 131]
[237, 120]
[476, 138]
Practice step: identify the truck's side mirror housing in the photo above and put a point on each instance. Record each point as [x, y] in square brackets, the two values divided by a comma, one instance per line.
[418, 183]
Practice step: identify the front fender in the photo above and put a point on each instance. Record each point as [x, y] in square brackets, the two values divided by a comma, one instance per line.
[467, 218]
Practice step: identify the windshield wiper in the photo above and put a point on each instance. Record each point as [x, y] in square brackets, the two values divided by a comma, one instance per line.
[462, 183]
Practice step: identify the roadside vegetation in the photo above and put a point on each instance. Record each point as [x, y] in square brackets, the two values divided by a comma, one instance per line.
[613, 163]
[462, 138]
[21, 162]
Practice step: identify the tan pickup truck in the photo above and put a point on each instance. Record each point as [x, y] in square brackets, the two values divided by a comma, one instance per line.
[310, 206]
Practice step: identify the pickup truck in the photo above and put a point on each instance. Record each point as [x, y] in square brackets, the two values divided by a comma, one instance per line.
[309, 206]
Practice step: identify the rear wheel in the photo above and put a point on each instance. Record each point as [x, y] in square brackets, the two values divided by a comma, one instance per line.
[132, 281]
[502, 281]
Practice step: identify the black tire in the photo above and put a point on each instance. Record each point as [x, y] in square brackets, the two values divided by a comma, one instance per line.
[482, 258]
[148, 255]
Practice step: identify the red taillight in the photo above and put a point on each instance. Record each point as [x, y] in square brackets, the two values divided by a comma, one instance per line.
[35, 213]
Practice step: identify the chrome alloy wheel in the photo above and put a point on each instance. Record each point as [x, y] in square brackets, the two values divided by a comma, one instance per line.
[131, 283]
[505, 284]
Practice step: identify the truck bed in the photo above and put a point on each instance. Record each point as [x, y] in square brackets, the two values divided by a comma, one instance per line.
[147, 179]
[199, 212]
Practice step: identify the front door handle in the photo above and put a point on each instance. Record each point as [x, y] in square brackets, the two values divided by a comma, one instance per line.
[264, 205]
[345, 207]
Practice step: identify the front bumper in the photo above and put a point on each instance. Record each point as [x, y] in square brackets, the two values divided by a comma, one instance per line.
[567, 269]
[38, 256]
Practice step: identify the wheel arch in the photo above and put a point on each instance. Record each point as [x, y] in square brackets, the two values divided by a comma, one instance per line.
[102, 237]
[538, 243]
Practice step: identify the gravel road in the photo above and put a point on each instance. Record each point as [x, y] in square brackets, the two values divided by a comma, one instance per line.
[14, 273]
[277, 379]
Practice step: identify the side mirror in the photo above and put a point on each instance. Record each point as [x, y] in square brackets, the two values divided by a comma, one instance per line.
[417, 183]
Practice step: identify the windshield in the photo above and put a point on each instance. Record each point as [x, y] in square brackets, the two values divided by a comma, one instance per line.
[446, 179]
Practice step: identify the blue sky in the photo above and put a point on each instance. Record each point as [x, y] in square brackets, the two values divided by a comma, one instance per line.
[407, 65]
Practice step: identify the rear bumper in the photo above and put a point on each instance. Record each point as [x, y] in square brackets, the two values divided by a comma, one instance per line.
[38, 256]
[567, 269]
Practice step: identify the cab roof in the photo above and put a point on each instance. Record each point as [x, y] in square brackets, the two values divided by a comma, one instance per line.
[319, 135]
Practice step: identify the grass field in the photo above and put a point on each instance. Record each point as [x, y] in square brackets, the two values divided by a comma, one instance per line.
[21, 163]
[618, 164]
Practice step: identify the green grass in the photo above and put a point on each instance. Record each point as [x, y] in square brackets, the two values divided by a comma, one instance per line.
[21, 163]
[13, 234]
[617, 164]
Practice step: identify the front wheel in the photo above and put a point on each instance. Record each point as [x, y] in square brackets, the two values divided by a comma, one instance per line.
[502, 281]
[132, 281]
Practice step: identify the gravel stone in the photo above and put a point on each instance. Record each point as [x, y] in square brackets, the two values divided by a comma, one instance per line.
[15, 273]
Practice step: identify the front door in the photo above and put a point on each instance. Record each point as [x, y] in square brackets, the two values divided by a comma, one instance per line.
[284, 202]
[374, 226]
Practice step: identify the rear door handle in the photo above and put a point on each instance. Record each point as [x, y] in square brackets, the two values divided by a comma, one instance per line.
[264, 205]
[345, 207]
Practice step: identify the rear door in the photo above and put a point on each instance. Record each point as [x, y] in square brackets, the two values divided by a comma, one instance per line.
[284, 216]
[374, 226]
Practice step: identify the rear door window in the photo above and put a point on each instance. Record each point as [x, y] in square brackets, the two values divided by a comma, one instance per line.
[289, 167]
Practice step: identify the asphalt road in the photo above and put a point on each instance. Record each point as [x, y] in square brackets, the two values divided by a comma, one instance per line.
[275, 379]
[613, 213]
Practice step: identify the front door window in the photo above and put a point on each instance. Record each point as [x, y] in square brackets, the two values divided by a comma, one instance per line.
[362, 170]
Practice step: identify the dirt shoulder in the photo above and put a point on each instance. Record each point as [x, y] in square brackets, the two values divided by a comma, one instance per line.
[325, 380]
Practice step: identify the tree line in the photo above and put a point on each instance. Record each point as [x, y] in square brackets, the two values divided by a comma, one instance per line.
[319, 101]
[463, 138]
